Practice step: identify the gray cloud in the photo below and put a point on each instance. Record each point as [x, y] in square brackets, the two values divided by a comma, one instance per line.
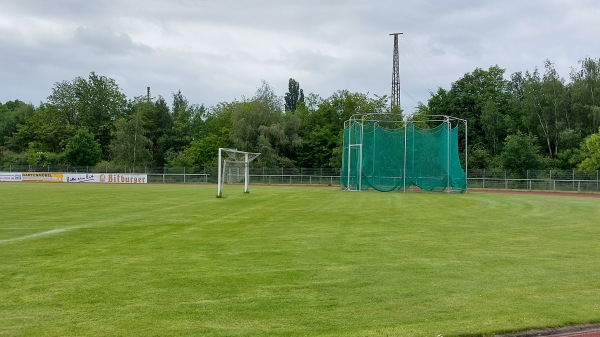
[101, 40]
[216, 51]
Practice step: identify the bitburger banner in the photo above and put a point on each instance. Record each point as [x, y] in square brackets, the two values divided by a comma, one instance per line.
[123, 178]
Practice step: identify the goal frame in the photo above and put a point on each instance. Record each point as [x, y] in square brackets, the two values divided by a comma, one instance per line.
[234, 156]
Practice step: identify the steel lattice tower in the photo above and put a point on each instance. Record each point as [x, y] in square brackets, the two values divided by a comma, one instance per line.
[396, 75]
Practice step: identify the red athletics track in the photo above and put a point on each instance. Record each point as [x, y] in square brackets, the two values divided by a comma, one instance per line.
[595, 333]
[588, 330]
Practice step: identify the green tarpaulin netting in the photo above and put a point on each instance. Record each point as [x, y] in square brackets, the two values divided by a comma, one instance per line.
[388, 159]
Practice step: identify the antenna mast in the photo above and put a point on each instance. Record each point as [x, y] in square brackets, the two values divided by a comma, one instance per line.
[396, 76]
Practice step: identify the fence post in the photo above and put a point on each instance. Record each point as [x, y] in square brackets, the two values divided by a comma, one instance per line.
[483, 178]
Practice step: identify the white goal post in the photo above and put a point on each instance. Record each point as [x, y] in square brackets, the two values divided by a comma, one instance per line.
[229, 168]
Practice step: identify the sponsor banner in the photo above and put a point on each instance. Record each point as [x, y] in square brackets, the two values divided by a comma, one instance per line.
[10, 176]
[81, 177]
[123, 178]
[42, 177]
[108, 178]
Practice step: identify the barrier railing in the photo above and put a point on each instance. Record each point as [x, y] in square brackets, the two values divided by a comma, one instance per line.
[542, 180]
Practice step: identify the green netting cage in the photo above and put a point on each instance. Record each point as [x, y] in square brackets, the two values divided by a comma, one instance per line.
[385, 154]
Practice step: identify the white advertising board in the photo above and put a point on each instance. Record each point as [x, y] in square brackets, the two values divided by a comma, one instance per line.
[11, 176]
[81, 177]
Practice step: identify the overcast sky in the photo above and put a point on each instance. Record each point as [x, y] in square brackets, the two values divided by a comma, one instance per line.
[220, 51]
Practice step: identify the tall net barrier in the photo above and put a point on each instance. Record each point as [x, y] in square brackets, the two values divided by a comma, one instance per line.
[398, 155]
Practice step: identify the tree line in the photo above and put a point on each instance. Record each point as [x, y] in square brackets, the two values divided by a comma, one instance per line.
[530, 120]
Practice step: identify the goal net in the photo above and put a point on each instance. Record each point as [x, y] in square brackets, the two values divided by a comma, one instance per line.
[234, 167]
[385, 154]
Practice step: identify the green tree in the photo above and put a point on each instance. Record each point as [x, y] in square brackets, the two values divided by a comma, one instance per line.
[585, 95]
[520, 153]
[12, 114]
[83, 150]
[158, 125]
[218, 122]
[569, 140]
[556, 91]
[483, 98]
[160, 131]
[294, 96]
[130, 146]
[36, 156]
[248, 117]
[291, 124]
[47, 128]
[318, 148]
[589, 151]
[94, 103]
[322, 123]
[545, 107]
[187, 122]
[494, 124]
[201, 152]
[204, 150]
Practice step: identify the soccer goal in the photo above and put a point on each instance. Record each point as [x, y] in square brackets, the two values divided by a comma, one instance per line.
[234, 166]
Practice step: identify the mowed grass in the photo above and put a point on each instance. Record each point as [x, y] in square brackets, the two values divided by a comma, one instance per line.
[168, 260]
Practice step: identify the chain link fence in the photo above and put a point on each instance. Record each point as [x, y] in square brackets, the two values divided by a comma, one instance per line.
[534, 180]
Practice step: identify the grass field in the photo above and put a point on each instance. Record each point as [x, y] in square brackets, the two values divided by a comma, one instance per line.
[169, 260]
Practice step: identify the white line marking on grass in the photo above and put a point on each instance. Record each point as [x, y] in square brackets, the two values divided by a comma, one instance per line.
[35, 235]
[95, 224]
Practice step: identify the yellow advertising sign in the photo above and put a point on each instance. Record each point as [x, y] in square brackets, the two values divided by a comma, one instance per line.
[42, 177]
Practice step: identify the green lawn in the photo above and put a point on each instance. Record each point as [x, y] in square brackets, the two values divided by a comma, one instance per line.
[168, 260]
